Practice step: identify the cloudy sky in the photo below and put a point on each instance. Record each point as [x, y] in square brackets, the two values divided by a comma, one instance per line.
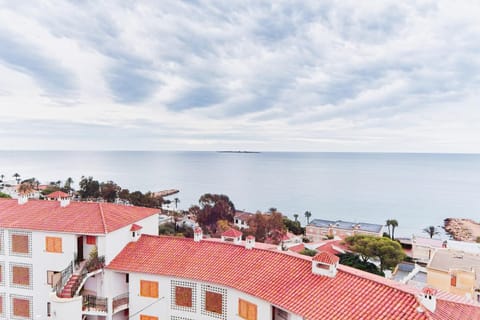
[240, 75]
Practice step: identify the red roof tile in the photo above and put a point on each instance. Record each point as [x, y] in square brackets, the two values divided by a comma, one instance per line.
[297, 248]
[326, 257]
[135, 227]
[448, 310]
[57, 194]
[77, 217]
[234, 233]
[284, 280]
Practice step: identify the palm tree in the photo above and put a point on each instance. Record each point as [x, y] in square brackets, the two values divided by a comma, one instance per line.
[388, 224]
[295, 216]
[176, 200]
[17, 177]
[308, 214]
[394, 224]
[68, 184]
[25, 188]
[431, 230]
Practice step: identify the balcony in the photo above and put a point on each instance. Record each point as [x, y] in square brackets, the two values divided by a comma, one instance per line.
[120, 302]
[94, 305]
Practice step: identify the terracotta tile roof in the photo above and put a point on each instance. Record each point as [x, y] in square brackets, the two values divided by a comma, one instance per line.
[232, 233]
[297, 248]
[58, 194]
[326, 257]
[282, 279]
[77, 217]
[448, 310]
[135, 227]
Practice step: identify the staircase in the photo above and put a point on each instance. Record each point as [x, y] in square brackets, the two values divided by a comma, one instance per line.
[70, 287]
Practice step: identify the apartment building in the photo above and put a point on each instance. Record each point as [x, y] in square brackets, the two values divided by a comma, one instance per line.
[54, 251]
[319, 229]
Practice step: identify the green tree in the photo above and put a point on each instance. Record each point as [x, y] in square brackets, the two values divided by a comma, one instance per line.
[89, 188]
[431, 231]
[308, 214]
[214, 207]
[387, 251]
[293, 226]
[109, 191]
[67, 186]
[391, 224]
[295, 216]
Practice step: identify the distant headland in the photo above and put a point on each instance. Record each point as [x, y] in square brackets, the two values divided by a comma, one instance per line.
[239, 151]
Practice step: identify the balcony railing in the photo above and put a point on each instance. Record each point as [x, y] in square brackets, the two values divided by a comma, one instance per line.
[94, 303]
[95, 263]
[120, 301]
[65, 275]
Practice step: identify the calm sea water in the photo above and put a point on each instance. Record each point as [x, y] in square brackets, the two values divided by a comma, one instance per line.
[416, 189]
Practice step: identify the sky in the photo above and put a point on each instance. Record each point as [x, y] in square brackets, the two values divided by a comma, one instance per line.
[356, 76]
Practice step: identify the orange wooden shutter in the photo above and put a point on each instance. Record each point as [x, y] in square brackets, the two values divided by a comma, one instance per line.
[21, 275]
[20, 243]
[21, 308]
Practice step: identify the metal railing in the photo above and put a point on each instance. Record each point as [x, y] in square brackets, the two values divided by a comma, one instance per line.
[119, 301]
[65, 275]
[94, 303]
[95, 264]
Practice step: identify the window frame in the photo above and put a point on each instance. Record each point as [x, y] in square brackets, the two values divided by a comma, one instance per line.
[53, 244]
[151, 287]
[247, 308]
[23, 299]
[13, 249]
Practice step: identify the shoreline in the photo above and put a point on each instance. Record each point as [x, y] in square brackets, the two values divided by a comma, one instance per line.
[462, 229]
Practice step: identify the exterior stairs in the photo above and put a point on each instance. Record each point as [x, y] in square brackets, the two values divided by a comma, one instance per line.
[70, 287]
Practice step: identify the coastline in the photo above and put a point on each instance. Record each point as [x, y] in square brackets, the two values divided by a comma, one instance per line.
[462, 229]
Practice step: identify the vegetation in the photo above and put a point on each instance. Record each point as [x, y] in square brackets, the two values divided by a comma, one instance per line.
[392, 224]
[431, 231]
[213, 207]
[293, 226]
[308, 215]
[3, 195]
[387, 251]
[167, 229]
[352, 260]
[267, 227]
[308, 252]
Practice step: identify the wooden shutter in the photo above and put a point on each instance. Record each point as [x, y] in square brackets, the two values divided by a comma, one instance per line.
[53, 244]
[144, 317]
[91, 240]
[247, 310]
[20, 243]
[149, 289]
[21, 307]
[183, 296]
[213, 302]
[21, 275]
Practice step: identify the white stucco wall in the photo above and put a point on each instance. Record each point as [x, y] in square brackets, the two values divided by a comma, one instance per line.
[161, 307]
[115, 241]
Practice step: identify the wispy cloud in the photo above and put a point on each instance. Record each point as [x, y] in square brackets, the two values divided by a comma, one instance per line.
[310, 76]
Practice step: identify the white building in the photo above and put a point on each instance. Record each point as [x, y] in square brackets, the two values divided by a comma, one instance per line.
[184, 279]
[240, 219]
[45, 251]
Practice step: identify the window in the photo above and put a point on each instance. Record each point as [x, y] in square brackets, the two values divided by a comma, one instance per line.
[91, 240]
[1, 241]
[149, 289]
[453, 280]
[1, 274]
[53, 277]
[183, 297]
[49, 309]
[53, 244]
[1, 306]
[20, 243]
[247, 310]
[20, 275]
[144, 317]
[213, 302]
[21, 307]
[127, 277]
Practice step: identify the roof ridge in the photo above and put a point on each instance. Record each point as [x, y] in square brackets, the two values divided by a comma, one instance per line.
[102, 215]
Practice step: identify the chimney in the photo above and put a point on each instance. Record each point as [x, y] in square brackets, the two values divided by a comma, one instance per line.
[197, 234]
[325, 264]
[428, 299]
[250, 242]
[136, 231]
[64, 202]
[22, 198]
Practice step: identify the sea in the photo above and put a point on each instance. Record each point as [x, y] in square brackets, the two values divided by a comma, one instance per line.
[416, 189]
